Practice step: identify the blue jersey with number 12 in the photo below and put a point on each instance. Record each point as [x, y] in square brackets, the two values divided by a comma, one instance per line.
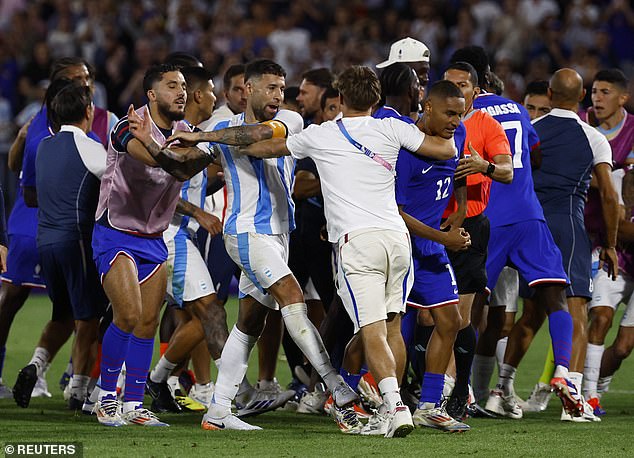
[515, 202]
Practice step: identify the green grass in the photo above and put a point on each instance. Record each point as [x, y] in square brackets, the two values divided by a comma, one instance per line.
[289, 434]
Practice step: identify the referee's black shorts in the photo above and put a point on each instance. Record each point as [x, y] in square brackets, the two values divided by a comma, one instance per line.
[470, 265]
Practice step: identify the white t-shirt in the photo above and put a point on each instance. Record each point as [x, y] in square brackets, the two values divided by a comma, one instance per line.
[358, 191]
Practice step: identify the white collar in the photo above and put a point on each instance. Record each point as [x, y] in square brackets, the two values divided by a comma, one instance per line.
[73, 129]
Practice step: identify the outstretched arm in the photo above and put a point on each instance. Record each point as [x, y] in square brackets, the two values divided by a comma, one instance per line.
[438, 148]
[275, 147]
[236, 136]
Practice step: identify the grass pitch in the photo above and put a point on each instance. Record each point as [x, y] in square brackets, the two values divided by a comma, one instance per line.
[292, 435]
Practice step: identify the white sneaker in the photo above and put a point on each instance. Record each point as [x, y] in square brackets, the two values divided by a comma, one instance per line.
[40, 390]
[230, 421]
[538, 399]
[266, 396]
[586, 417]
[109, 412]
[202, 393]
[142, 417]
[313, 402]
[438, 418]
[378, 423]
[504, 406]
[369, 392]
[343, 395]
[346, 419]
[5, 391]
[401, 423]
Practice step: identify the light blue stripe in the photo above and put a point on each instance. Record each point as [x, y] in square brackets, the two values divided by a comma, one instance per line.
[354, 301]
[264, 209]
[180, 267]
[203, 190]
[230, 226]
[184, 196]
[289, 200]
[243, 251]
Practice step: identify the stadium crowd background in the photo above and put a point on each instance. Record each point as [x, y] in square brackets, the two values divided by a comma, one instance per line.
[527, 40]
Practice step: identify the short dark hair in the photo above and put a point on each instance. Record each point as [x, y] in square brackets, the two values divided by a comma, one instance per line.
[60, 65]
[182, 59]
[359, 87]
[69, 104]
[396, 80]
[444, 89]
[155, 73]
[477, 57]
[259, 67]
[234, 70]
[465, 67]
[290, 94]
[613, 76]
[195, 76]
[329, 93]
[321, 77]
[539, 87]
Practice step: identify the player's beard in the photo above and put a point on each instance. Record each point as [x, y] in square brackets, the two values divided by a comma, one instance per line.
[260, 113]
[172, 115]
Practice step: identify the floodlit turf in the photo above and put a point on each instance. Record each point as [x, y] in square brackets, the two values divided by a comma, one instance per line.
[290, 434]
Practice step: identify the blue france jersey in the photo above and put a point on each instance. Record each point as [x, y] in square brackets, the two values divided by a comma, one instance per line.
[570, 149]
[424, 187]
[514, 202]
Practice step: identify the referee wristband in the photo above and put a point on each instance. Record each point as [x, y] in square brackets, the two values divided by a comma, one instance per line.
[490, 169]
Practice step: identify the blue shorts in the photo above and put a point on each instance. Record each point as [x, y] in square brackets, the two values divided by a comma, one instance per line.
[72, 278]
[528, 247]
[434, 282]
[147, 253]
[221, 267]
[23, 263]
[571, 237]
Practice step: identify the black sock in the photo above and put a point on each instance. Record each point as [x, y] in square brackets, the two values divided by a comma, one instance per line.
[463, 350]
[421, 340]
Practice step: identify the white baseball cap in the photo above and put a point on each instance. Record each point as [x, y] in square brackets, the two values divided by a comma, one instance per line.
[406, 50]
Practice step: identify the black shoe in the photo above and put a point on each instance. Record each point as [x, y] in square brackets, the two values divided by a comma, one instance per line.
[163, 399]
[410, 394]
[24, 385]
[75, 403]
[457, 406]
[475, 411]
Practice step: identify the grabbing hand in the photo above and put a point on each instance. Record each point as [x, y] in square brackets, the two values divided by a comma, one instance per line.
[608, 257]
[185, 139]
[471, 164]
[457, 239]
[141, 128]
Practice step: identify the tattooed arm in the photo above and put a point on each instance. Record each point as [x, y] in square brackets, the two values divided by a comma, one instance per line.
[236, 136]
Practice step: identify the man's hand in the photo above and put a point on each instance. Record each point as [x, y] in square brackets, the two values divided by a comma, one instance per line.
[608, 257]
[471, 165]
[208, 222]
[3, 258]
[457, 239]
[141, 128]
[185, 139]
[453, 221]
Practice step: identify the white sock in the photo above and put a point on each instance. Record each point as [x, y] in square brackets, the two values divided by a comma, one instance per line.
[576, 378]
[94, 394]
[79, 386]
[389, 390]
[592, 368]
[131, 405]
[103, 393]
[162, 370]
[309, 341]
[235, 357]
[40, 359]
[506, 378]
[561, 372]
[482, 370]
[172, 382]
[450, 382]
[603, 385]
[500, 349]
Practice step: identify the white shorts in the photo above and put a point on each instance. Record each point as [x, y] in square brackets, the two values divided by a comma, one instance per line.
[375, 274]
[507, 290]
[187, 276]
[263, 259]
[608, 293]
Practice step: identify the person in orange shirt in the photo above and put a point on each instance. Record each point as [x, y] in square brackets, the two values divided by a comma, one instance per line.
[487, 157]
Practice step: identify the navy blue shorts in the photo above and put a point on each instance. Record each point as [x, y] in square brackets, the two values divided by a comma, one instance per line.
[434, 282]
[147, 253]
[23, 263]
[528, 247]
[72, 278]
[221, 267]
[576, 251]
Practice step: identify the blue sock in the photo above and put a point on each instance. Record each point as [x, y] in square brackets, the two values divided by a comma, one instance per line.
[560, 327]
[408, 327]
[431, 391]
[113, 352]
[3, 351]
[351, 379]
[137, 365]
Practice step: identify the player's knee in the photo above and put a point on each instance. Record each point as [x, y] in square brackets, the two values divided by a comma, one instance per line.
[599, 327]
[622, 350]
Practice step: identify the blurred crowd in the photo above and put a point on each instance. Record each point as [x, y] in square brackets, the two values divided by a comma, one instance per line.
[527, 39]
